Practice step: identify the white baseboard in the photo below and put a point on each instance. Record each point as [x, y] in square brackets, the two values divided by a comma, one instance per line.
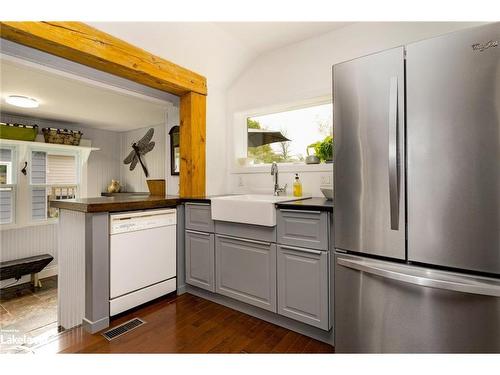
[46, 272]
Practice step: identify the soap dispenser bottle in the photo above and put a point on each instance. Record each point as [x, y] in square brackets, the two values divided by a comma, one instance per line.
[297, 186]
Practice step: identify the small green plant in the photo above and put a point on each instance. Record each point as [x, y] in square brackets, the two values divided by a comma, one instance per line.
[324, 148]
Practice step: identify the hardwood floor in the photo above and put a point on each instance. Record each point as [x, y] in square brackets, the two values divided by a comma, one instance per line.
[189, 324]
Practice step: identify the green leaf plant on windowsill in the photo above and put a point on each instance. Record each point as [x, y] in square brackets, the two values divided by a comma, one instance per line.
[322, 149]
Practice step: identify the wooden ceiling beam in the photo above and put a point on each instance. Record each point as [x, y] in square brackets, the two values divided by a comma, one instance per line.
[86, 45]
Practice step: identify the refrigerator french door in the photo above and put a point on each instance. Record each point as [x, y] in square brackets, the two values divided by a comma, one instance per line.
[453, 127]
[369, 145]
[439, 290]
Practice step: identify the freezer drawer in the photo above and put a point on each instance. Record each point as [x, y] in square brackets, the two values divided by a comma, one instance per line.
[384, 307]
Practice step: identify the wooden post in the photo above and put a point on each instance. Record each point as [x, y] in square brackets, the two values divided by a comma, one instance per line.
[192, 144]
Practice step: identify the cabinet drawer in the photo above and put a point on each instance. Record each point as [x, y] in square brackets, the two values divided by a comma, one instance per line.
[199, 217]
[307, 229]
[200, 260]
[303, 285]
[246, 271]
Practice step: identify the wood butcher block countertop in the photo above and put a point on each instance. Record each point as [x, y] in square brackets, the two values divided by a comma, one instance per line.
[117, 203]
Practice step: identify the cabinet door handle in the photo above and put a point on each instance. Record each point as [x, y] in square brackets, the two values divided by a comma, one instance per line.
[197, 204]
[310, 251]
[244, 240]
[196, 232]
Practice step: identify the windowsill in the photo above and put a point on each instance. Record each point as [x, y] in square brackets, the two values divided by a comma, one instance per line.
[283, 167]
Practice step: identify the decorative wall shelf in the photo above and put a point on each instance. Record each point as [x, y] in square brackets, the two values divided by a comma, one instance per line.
[84, 151]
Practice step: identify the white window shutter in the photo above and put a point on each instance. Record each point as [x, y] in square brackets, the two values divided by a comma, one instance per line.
[38, 168]
[39, 203]
[6, 193]
[6, 206]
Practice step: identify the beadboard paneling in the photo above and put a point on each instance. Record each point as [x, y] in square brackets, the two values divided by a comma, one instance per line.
[71, 279]
[29, 241]
[155, 160]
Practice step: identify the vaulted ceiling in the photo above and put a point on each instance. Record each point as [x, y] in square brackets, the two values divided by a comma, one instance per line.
[220, 50]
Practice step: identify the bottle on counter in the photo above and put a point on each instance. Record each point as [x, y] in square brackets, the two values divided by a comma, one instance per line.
[297, 186]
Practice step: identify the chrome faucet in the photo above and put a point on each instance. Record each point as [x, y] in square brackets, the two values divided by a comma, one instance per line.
[274, 172]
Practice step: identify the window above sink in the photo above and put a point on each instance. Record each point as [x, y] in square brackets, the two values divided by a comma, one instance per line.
[284, 134]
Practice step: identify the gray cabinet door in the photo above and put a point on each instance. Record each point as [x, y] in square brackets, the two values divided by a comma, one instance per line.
[307, 229]
[303, 285]
[199, 217]
[200, 260]
[246, 271]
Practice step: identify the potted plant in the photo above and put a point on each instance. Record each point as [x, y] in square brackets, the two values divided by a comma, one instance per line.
[324, 149]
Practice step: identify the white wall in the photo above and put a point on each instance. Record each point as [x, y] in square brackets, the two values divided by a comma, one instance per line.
[303, 71]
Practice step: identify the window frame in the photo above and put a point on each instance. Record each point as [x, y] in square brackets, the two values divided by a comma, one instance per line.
[31, 186]
[240, 138]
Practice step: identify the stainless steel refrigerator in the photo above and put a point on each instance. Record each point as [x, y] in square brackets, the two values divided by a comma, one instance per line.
[417, 197]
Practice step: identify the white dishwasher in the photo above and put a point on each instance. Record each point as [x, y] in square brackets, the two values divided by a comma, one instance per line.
[142, 257]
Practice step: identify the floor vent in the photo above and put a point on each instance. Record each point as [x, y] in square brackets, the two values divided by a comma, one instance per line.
[117, 331]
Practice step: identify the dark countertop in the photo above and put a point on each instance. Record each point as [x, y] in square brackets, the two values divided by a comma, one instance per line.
[317, 204]
[116, 203]
[191, 198]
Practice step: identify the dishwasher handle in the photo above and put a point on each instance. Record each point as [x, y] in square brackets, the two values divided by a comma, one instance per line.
[142, 214]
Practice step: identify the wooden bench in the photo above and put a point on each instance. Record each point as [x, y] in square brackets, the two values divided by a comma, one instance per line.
[15, 269]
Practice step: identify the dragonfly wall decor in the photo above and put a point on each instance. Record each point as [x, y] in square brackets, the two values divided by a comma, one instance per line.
[140, 149]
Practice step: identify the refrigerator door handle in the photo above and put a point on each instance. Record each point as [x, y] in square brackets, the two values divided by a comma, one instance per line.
[458, 283]
[393, 154]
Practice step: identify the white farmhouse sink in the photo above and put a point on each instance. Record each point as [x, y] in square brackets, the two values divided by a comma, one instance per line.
[249, 208]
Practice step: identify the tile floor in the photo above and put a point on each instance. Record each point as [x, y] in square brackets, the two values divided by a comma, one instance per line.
[28, 316]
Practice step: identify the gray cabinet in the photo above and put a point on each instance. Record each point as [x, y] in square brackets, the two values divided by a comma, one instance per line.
[199, 217]
[303, 285]
[308, 229]
[246, 270]
[200, 259]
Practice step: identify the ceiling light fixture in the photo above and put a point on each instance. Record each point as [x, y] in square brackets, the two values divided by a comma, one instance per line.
[22, 101]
